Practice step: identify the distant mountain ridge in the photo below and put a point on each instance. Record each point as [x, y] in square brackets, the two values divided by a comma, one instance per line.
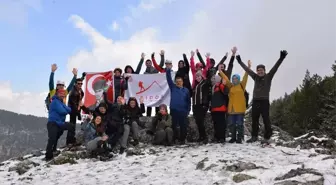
[21, 134]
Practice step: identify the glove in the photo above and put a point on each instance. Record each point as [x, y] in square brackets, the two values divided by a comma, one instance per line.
[150, 132]
[283, 53]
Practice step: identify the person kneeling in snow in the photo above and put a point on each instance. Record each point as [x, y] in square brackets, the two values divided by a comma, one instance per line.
[132, 114]
[95, 137]
[56, 122]
[161, 127]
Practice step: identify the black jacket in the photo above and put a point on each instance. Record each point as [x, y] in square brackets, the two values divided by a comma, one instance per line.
[75, 96]
[184, 74]
[200, 93]
[133, 114]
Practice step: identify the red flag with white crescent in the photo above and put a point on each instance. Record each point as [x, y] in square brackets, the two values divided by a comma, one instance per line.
[95, 85]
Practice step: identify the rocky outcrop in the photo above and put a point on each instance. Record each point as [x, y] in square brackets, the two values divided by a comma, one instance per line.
[299, 172]
[241, 177]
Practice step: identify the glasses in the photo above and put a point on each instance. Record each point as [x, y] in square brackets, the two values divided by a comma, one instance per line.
[79, 83]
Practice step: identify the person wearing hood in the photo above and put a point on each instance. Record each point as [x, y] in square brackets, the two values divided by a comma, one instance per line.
[211, 66]
[237, 105]
[161, 127]
[120, 83]
[261, 93]
[151, 70]
[219, 108]
[222, 67]
[75, 101]
[132, 115]
[59, 85]
[196, 68]
[200, 104]
[183, 72]
[130, 70]
[168, 63]
[56, 122]
[179, 105]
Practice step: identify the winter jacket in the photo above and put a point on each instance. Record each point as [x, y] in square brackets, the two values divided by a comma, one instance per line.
[159, 67]
[161, 122]
[179, 97]
[52, 89]
[200, 93]
[262, 84]
[75, 96]
[58, 111]
[138, 69]
[219, 98]
[114, 116]
[184, 74]
[237, 103]
[96, 111]
[120, 85]
[133, 114]
[210, 70]
[193, 71]
[92, 137]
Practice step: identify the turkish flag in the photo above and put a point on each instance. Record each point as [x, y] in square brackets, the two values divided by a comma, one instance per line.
[95, 85]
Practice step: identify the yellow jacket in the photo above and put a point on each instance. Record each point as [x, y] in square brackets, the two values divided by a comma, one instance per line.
[237, 102]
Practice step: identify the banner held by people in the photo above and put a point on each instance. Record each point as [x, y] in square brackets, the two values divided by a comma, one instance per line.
[95, 84]
[152, 87]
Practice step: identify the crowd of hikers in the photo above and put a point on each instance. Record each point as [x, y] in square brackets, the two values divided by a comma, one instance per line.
[212, 88]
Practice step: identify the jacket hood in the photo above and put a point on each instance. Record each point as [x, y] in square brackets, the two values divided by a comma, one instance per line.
[165, 107]
[181, 61]
[128, 66]
[132, 99]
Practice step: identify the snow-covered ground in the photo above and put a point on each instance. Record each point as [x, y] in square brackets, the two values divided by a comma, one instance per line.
[177, 166]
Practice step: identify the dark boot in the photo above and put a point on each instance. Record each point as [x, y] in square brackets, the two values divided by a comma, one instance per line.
[122, 150]
[240, 130]
[252, 140]
[233, 133]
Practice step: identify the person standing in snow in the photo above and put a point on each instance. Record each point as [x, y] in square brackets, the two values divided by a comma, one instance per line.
[56, 122]
[132, 115]
[219, 108]
[200, 104]
[179, 105]
[196, 68]
[130, 70]
[261, 93]
[183, 72]
[168, 63]
[75, 102]
[161, 127]
[151, 70]
[237, 104]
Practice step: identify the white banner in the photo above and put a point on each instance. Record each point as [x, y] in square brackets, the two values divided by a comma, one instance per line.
[152, 87]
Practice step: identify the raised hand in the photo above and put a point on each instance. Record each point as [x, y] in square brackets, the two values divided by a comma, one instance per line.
[223, 82]
[153, 55]
[74, 71]
[249, 64]
[234, 50]
[162, 52]
[197, 51]
[192, 53]
[53, 67]
[143, 55]
[207, 55]
[283, 53]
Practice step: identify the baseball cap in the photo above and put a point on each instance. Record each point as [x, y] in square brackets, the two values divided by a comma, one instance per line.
[60, 82]
[168, 62]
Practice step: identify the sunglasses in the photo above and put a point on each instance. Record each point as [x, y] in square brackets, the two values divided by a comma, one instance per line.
[79, 83]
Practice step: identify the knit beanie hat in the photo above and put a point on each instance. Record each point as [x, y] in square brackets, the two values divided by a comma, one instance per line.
[261, 66]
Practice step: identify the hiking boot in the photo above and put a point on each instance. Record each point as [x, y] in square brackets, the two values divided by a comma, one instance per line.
[122, 150]
[135, 143]
[232, 140]
[199, 140]
[239, 141]
[56, 153]
[252, 140]
[265, 141]
[222, 141]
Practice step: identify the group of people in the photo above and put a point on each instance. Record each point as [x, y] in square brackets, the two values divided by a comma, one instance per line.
[212, 88]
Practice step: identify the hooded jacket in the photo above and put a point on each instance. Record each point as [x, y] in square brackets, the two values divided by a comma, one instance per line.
[161, 122]
[159, 67]
[200, 93]
[133, 114]
[179, 97]
[183, 72]
[58, 111]
[151, 69]
[193, 70]
[138, 69]
[219, 98]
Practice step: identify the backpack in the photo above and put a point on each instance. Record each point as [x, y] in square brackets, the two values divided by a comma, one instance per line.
[246, 94]
[226, 96]
[47, 101]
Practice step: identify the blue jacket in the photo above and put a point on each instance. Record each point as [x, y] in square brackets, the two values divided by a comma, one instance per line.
[58, 111]
[179, 97]
[90, 132]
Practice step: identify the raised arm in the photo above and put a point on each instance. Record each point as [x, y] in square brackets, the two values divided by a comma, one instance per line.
[192, 64]
[109, 104]
[51, 81]
[72, 83]
[138, 69]
[247, 69]
[162, 58]
[276, 66]
[230, 67]
[199, 56]
[186, 62]
[224, 77]
[169, 79]
[244, 81]
[156, 66]
[222, 60]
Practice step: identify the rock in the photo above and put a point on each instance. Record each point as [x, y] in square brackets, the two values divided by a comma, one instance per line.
[37, 153]
[210, 167]
[329, 157]
[23, 166]
[241, 166]
[63, 159]
[200, 165]
[297, 172]
[312, 155]
[134, 151]
[294, 182]
[241, 177]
